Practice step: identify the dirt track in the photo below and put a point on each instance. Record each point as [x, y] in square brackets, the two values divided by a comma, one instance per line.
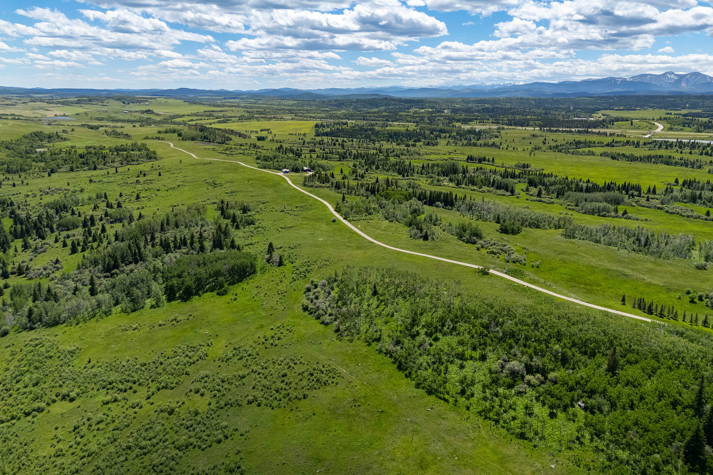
[474, 266]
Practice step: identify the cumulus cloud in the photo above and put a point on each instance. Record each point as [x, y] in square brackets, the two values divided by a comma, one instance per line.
[484, 7]
[301, 42]
[4, 48]
[124, 33]
[373, 62]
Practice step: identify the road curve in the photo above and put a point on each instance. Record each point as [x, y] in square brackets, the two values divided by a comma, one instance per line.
[474, 266]
[659, 128]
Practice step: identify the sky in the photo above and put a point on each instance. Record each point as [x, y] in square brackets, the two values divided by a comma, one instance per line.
[314, 44]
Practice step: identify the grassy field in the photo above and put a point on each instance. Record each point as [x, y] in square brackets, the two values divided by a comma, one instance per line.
[359, 413]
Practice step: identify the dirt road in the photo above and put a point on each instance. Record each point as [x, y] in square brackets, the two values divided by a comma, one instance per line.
[474, 266]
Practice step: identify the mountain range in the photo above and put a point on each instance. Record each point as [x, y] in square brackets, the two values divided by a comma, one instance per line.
[642, 84]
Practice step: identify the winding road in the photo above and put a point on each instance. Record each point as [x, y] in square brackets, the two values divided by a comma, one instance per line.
[659, 128]
[474, 266]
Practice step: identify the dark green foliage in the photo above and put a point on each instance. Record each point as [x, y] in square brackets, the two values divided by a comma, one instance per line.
[499, 213]
[510, 227]
[468, 232]
[93, 291]
[694, 450]
[202, 133]
[5, 239]
[613, 361]
[192, 275]
[22, 155]
[529, 369]
[641, 240]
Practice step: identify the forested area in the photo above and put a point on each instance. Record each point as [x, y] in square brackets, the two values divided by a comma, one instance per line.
[176, 255]
[33, 152]
[641, 240]
[637, 394]
[203, 133]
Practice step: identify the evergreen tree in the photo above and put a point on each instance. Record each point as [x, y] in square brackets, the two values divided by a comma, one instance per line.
[5, 239]
[613, 362]
[201, 243]
[708, 426]
[699, 402]
[93, 286]
[694, 450]
[623, 299]
[270, 250]
[75, 248]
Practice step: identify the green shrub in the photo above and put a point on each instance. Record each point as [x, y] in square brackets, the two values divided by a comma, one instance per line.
[510, 227]
[196, 274]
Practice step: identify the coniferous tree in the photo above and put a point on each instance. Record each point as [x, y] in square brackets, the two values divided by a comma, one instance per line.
[623, 299]
[699, 401]
[613, 362]
[708, 426]
[75, 248]
[201, 242]
[5, 239]
[694, 450]
[93, 291]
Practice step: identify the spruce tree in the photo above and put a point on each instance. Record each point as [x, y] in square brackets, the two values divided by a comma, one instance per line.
[75, 248]
[93, 286]
[613, 362]
[201, 243]
[708, 426]
[694, 451]
[699, 402]
[623, 299]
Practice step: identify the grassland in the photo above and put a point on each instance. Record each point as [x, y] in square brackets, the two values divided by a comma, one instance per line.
[365, 415]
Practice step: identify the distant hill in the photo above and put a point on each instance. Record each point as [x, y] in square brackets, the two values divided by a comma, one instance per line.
[649, 84]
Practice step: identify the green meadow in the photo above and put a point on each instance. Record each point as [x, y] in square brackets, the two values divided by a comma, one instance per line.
[241, 376]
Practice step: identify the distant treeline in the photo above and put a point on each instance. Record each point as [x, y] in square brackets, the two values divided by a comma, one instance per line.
[32, 152]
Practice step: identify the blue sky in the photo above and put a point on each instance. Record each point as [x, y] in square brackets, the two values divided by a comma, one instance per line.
[229, 44]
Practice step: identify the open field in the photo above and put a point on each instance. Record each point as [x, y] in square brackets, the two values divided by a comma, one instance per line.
[116, 361]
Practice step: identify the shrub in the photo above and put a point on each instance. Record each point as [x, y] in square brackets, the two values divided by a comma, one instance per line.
[199, 273]
[510, 227]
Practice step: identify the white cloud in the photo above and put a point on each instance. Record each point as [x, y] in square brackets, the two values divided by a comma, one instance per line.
[362, 28]
[484, 7]
[56, 64]
[299, 42]
[4, 48]
[126, 34]
[71, 55]
[373, 62]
